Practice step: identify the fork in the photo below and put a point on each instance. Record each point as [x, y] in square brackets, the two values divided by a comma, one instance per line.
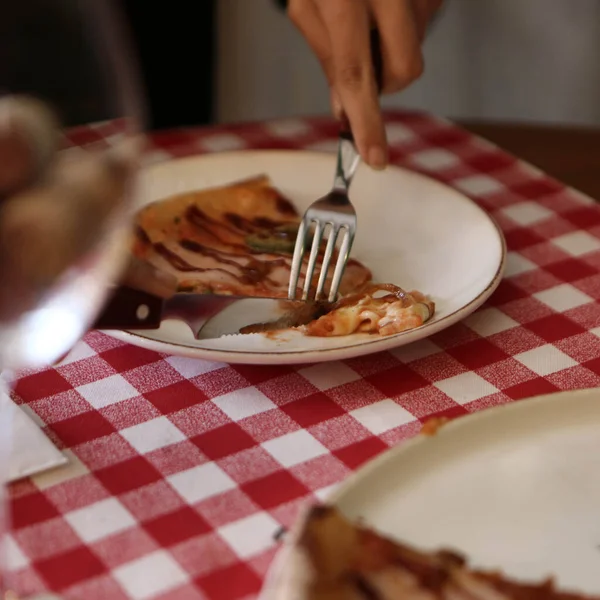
[333, 211]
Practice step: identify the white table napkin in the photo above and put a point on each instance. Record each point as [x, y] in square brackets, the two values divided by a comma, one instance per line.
[31, 451]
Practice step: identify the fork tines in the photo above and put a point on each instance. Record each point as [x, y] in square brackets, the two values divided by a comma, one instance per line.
[333, 219]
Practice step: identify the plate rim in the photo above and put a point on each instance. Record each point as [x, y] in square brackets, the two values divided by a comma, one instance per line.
[322, 354]
[468, 421]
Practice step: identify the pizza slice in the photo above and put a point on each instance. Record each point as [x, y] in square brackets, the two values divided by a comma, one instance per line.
[351, 562]
[234, 239]
[239, 239]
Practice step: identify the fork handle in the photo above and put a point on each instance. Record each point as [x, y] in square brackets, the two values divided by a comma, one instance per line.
[377, 60]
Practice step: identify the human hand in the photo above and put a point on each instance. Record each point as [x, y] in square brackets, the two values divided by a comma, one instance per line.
[338, 33]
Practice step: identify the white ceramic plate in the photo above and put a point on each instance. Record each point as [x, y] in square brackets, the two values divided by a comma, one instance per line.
[412, 231]
[515, 488]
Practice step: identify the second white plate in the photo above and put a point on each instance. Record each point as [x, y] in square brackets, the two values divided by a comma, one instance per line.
[412, 231]
[515, 487]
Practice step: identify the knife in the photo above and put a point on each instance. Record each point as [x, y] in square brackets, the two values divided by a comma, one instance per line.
[129, 308]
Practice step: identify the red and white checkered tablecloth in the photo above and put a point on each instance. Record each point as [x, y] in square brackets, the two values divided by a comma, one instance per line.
[182, 470]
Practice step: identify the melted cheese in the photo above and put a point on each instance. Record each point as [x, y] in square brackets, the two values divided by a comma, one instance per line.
[365, 313]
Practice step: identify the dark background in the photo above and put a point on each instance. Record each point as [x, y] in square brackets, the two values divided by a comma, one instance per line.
[174, 42]
[175, 45]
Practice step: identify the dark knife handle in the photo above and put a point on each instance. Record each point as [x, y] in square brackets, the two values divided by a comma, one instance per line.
[377, 59]
[131, 309]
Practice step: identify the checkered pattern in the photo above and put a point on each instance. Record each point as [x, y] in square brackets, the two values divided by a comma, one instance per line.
[182, 470]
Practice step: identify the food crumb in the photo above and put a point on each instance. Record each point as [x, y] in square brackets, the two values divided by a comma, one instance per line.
[433, 425]
[273, 334]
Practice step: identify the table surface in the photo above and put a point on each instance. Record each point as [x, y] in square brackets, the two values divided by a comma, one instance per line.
[182, 470]
[569, 154]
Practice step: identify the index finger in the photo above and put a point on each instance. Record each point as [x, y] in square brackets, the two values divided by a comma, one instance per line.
[348, 24]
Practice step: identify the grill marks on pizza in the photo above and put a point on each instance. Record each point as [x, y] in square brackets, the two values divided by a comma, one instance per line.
[239, 239]
[235, 239]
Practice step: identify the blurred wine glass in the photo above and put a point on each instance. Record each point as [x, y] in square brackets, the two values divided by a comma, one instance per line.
[70, 125]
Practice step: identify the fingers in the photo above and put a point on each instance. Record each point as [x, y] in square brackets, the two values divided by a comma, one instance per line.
[348, 25]
[400, 42]
[424, 12]
[338, 33]
[306, 17]
[336, 104]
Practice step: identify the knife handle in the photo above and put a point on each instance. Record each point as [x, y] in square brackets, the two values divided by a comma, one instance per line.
[131, 309]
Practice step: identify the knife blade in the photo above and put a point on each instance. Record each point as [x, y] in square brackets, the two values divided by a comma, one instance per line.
[129, 308]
